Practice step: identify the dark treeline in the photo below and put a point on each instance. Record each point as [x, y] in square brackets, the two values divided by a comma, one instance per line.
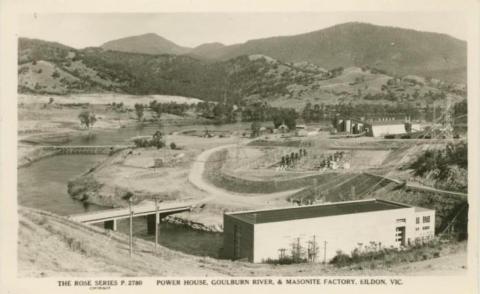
[253, 112]
[261, 111]
[169, 107]
[322, 112]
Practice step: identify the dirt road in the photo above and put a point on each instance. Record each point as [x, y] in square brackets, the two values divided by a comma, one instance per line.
[219, 195]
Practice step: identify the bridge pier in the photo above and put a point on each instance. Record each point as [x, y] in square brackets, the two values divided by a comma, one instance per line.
[110, 225]
[151, 220]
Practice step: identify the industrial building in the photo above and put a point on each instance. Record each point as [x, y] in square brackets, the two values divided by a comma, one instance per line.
[385, 127]
[262, 235]
[377, 128]
[352, 126]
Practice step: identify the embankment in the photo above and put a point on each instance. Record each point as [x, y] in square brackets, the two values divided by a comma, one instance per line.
[50, 245]
[343, 187]
[217, 175]
[34, 154]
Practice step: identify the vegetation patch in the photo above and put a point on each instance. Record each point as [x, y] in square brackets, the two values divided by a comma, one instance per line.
[373, 256]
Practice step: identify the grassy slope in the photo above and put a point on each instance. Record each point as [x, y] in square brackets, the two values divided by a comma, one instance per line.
[50, 245]
[242, 77]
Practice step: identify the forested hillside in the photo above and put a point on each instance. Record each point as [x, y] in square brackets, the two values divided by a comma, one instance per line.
[52, 68]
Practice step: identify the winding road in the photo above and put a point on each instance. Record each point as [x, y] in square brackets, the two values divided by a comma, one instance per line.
[218, 194]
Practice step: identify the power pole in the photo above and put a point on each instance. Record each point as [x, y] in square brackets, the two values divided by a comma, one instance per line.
[157, 218]
[131, 225]
[324, 252]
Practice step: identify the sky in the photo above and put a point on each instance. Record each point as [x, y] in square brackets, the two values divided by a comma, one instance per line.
[193, 29]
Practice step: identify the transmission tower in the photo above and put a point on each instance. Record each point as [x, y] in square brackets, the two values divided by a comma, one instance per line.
[448, 122]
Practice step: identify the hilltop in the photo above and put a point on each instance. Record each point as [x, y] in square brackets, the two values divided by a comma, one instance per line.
[147, 43]
[395, 50]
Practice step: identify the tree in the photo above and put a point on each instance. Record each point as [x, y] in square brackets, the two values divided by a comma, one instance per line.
[50, 100]
[306, 113]
[156, 108]
[157, 140]
[139, 111]
[255, 127]
[87, 118]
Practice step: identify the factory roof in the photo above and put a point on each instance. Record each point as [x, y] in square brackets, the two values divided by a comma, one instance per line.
[314, 211]
[387, 122]
[421, 209]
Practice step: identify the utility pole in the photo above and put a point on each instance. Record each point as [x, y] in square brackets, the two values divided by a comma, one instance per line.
[157, 218]
[131, 225]
[324, 252]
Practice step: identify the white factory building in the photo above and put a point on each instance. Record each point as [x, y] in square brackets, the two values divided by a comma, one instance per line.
[379, 127]
[385, 127]
[260, 235]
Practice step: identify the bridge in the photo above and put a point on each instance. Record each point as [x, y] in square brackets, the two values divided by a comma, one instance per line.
[109, 217]
[87, 149]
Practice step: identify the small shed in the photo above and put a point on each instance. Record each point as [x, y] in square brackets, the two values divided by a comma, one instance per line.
[283, 128]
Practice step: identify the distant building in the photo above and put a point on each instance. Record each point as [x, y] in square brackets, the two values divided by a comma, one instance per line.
[386, 127]
[390, 126]
[301, 130]
[283, 128]
[376, 128]
[352, 126]
[260, 235]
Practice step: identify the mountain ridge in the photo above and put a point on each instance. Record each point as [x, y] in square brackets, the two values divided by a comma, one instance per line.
[45, 68]
[399, 51]
[149, 43]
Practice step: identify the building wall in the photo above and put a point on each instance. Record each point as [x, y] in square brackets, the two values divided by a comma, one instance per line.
[425, 228]
[416, 127]
[342, 232]
[348, 126]
[382, 130]
[246, 238]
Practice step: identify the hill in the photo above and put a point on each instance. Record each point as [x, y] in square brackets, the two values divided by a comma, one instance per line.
[147, 44]
[56, 69]
[395, 50]
[204, 50]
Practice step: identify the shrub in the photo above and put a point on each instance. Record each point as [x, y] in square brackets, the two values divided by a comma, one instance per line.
[146, 142]
[173, 146]
[372, 256]
[341, 259]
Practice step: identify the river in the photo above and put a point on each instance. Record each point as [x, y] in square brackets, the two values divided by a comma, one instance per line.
[123, 135]
[43, 185]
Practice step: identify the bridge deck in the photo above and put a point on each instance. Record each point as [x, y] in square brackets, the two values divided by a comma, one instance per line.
[145, 208]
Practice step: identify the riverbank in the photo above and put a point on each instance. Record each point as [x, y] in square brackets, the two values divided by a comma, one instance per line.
[31, 154]
[53, 120]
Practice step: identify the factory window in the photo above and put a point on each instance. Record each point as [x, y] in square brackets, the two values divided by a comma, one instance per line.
[400, 235]
[418, 220]
[417, 229]
[401, 220]
[426, 219]
[426, 228]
